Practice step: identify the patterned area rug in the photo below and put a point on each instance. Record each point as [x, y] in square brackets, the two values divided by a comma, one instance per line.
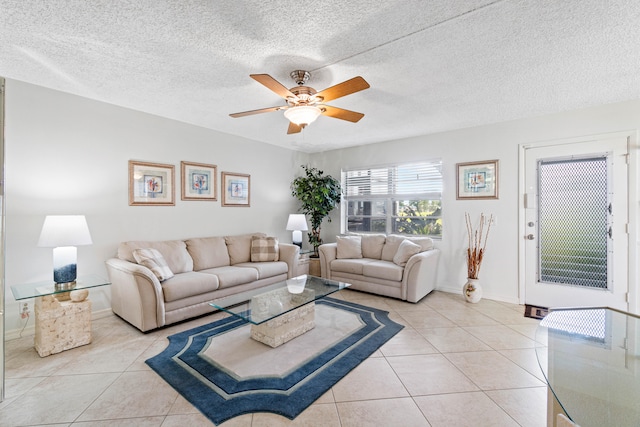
[224, 373]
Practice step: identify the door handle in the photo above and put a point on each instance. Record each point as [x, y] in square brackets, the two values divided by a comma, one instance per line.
[610, 232]
[529, 237]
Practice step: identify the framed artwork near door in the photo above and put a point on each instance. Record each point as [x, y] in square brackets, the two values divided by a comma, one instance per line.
[477, 180]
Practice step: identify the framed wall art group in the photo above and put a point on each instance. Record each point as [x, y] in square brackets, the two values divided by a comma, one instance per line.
[153, 184]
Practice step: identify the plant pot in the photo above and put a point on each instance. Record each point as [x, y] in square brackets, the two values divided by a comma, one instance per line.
[472, 290]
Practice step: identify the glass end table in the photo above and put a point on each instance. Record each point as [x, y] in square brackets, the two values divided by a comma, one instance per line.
[62, 314]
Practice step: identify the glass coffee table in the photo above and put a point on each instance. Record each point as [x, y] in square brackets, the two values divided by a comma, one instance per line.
[280, 312]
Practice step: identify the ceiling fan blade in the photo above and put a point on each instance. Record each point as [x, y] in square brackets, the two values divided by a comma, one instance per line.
[272, 84]
[340, 113]
[293, 128]
[262, 110]
[345, 88]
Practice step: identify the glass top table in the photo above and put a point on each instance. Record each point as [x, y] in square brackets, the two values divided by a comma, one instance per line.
[591, 362]
[48, 287]
[268, 302]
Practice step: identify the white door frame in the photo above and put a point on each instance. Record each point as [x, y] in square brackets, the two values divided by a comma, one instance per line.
[633, 213]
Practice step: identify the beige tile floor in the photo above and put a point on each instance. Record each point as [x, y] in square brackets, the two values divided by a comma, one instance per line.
[454, 364]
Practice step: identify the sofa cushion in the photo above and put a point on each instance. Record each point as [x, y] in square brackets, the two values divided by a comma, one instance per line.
[353, 266]
[391, 245]
[188, 284]
[154, 261]
[372, 245]
[231, 275]
[266, 269]
[239, 247]
[406, 250]
[264, 249]
[208, 252]
[426, 243]
[383, 270]
[349, 247]
[173, 251]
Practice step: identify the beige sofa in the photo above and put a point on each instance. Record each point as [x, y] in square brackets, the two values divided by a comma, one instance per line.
[154, 284]
[394, 266]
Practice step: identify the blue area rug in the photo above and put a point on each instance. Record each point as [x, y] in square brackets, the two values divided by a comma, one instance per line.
[220, 393]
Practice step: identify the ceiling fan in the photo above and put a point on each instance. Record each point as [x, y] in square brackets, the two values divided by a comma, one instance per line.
[304, 104]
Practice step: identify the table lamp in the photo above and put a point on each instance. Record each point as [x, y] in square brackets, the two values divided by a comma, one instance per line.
[63, 233]
[297, 223]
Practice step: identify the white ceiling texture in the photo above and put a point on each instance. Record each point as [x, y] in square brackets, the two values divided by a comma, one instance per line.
[433, 66]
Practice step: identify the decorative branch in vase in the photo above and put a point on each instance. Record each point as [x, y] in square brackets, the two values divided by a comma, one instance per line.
[477, 245]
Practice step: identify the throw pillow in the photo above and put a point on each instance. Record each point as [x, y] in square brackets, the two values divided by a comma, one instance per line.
[239, 247]
[264, 249]
[154, 261]
[426, 243]
[406, 250]
[391, 245]
[349, 247]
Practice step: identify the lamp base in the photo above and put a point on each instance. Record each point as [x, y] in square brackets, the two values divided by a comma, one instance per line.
[64, 264]
[296, 238]
[67, 286]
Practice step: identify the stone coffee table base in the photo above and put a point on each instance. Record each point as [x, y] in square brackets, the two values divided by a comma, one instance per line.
[286, 327]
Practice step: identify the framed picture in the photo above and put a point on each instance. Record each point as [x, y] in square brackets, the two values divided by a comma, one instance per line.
[477, 180]
[151, 184]
[236, 189]
[199, 181]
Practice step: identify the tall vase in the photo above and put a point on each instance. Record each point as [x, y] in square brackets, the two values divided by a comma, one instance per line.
[472, 290]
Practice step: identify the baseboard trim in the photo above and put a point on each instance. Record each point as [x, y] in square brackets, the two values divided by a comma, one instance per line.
[485, 295]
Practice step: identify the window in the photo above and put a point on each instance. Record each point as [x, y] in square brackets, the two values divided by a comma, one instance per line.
[401, 199]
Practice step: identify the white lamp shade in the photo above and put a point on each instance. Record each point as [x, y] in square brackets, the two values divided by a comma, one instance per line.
[64, 230]
[297, 222]
[302, 115]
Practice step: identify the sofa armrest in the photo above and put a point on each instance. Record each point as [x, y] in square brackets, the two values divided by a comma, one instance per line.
[136, 294]
[290, 254]
[328, 252]
[420, 275]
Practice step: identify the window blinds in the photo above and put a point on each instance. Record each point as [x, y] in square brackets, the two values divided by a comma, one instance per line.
[407, 180]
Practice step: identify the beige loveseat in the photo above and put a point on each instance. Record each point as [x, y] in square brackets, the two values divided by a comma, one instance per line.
[154, 284]
[394, 266]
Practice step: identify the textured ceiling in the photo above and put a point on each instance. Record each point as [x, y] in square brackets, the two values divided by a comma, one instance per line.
[432, 66]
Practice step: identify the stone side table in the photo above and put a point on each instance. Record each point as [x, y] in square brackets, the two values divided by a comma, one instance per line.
[314, 267]
[303, 264]
[62, 316]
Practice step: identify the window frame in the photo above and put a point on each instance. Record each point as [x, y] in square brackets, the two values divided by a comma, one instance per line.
[432, 181]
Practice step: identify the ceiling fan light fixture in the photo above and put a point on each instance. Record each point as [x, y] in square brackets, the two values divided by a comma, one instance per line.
[303, 114]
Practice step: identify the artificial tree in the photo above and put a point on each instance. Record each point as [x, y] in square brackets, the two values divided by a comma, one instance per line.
[319, 195]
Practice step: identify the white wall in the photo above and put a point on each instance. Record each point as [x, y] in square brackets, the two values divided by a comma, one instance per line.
[499, 274]
[69, 155]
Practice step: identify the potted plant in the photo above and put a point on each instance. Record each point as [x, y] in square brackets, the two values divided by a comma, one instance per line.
[477, 240]
[319, 195]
